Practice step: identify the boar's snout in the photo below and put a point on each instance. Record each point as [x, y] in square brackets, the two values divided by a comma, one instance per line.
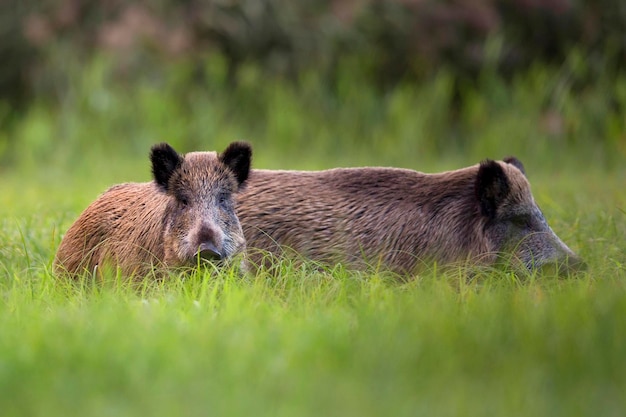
[207, 243]
[569, 264]
[209, 252]
[547, 252]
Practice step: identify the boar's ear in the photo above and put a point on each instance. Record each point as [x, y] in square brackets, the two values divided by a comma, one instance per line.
[492, 187]
[237, 157]
[516, 163]
[165, 160]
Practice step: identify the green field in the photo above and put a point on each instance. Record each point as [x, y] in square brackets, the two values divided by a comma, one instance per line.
[311, 342]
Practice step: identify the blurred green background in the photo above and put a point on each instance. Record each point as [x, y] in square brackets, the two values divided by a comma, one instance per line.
[86, 87]
[423, 84]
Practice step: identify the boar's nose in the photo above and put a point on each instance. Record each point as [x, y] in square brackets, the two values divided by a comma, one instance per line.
[574, 263]
[569, 265]
[209, 252]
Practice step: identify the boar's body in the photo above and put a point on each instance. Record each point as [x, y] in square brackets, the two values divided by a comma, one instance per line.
[124, 225]
[185, 214]
[399, 219]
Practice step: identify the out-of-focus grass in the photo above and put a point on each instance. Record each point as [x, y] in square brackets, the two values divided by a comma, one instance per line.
[541, 118]
[311, 342]
[315, 343]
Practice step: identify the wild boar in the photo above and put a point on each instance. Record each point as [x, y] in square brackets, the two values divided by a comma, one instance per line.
[400, 219]
[185, 214]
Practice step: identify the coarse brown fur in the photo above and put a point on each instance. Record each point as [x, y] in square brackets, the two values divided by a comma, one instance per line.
[185, 214]
[399, 219]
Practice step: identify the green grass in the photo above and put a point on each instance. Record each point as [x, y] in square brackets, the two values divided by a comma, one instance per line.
[328, 344]
[311, 342]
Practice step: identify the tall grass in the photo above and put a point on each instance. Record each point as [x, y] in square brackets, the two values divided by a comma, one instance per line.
[310, 341]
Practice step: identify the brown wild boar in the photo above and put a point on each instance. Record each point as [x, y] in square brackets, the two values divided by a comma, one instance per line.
[400, 219]
[186, 214]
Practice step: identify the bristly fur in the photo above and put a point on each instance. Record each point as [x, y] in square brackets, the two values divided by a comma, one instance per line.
[399, 219]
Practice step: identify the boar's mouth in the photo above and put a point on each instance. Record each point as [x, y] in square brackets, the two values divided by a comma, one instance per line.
[561, 265]
[208, 252]
[570, 264]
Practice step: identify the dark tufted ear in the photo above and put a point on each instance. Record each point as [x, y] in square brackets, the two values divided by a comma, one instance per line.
[237, 157]
[492, 187]
[165, 160]
[516, 163]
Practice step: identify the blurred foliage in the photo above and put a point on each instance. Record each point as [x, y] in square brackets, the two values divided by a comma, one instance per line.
[539, 117]
[357, 77]
[392, 40]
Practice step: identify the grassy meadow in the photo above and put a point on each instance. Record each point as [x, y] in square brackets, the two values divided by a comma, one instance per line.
[309, 341]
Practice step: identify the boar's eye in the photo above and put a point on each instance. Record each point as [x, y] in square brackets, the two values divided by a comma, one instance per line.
[223, 199]
[521, 220]
[183, 200]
